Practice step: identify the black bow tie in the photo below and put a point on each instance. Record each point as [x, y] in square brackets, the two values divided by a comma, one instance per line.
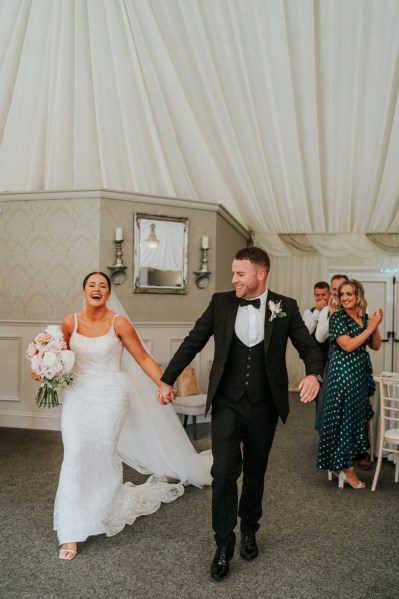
[244, 302]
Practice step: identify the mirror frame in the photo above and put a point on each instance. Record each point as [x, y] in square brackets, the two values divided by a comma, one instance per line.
[137, 287]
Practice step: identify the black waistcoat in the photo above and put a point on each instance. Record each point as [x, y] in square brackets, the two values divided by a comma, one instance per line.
[245, 372]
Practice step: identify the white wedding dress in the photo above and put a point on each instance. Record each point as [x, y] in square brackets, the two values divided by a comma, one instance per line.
[102, 408]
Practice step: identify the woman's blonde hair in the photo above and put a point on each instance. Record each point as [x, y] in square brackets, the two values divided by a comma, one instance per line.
[358, 289]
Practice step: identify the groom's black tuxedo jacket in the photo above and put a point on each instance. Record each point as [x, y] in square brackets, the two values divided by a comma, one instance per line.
[219, 320]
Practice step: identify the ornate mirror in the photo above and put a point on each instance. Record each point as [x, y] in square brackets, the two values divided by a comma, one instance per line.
[160, 254]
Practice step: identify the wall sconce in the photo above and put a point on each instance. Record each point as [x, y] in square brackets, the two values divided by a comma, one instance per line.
[118, 270]
[152, 240]
[202, 276]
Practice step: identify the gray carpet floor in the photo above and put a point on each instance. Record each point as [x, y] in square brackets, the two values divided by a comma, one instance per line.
[316, 541]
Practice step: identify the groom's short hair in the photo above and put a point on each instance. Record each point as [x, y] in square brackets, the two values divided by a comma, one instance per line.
[254, 255]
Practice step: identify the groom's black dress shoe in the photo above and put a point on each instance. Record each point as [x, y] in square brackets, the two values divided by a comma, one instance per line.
[248, 547]
[220, 563]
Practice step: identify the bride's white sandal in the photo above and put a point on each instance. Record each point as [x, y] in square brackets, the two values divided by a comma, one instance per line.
[63, 554]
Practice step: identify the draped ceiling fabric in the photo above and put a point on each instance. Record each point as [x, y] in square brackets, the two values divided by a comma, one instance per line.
[284, 111]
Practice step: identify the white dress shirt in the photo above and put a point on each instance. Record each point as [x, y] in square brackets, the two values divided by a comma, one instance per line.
[322, 325]
[311, 319]
[250, 322]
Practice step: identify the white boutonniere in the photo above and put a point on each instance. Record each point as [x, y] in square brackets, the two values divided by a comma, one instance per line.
[276, 309]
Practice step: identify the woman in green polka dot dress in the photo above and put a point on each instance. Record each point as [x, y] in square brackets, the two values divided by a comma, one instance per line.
[347, 408]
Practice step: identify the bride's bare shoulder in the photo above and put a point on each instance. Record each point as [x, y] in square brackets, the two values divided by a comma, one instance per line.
[122, 324]
[69, 322]
[69, 319]
[122, 320]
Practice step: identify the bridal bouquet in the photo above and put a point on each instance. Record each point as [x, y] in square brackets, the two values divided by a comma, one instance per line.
[51, 364]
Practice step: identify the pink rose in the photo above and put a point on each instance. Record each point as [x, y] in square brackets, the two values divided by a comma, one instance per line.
[42, 340]
[56, 346]
[37, 364]
[31, 350]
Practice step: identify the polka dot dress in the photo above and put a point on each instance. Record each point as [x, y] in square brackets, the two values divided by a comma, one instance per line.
[347, 408]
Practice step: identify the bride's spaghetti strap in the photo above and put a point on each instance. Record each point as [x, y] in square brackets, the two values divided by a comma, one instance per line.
[113, 323]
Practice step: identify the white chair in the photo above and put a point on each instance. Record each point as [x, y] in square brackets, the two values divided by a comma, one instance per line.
[190, 405]
[389, 417]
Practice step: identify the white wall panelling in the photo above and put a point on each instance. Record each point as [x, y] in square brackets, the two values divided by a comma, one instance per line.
[18, 390]
[10, 368]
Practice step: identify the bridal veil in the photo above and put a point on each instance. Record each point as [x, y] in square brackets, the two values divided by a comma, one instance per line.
[153, 440]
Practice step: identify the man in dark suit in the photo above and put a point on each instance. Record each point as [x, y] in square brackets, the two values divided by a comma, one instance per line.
[248, 390]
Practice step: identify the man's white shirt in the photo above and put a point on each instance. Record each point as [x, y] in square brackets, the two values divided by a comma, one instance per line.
[322, 330]
[250, 322]
[311, 319]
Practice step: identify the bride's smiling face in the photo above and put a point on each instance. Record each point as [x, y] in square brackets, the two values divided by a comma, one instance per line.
[96, 290]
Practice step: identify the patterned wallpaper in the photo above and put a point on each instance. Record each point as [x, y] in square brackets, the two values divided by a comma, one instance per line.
[50, 241]
[46, 246]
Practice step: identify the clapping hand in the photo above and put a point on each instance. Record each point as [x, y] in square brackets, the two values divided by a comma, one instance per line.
[375, 320]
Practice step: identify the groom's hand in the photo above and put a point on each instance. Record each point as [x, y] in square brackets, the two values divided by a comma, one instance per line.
[166, 394]
[309, 388]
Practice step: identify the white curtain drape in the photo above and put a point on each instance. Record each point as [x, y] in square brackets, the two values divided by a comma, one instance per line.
[334, 246]
[284, 111]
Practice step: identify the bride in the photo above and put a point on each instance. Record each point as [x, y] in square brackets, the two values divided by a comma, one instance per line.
[110, 413]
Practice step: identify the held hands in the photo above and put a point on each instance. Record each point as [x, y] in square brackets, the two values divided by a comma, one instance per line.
[166, 394]
[309, 388]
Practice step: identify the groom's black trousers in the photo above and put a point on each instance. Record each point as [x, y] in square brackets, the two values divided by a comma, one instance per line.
[234, 423]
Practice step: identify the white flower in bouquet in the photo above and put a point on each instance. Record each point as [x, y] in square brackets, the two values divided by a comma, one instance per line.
[67, 359]
[54, 331]
[51, 364]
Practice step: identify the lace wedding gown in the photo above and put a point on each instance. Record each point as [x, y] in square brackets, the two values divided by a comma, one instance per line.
[91, 497]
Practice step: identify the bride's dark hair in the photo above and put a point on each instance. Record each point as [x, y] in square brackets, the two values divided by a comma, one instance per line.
[97, 272]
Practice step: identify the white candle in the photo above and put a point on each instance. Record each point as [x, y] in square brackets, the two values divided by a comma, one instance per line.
[118, 234]
[205, 242]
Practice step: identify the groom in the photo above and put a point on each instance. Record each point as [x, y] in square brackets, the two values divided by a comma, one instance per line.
[248, 391]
